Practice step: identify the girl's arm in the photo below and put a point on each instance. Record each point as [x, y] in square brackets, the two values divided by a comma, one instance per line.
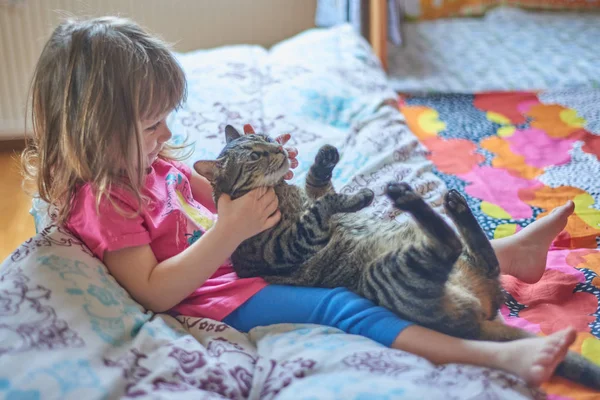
[161, 286]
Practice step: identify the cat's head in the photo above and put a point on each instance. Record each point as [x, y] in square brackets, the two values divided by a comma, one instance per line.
[247, 162]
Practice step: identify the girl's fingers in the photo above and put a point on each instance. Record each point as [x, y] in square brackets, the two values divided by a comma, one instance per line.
[273, 220]
[268, 192]
[289, 175]
[268, 198]
[248, 130]
[258, 196]
[292, 152]
[293, 163]
[273, 204]
[283, 139]
[272, 207]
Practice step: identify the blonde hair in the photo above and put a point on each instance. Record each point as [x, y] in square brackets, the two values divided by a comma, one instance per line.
[95, 80]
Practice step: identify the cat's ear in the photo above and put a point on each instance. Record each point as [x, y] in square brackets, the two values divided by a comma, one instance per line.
[231, 133]
[206, 168]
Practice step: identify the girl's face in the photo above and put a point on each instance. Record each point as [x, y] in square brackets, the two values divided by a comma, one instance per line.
[155, 133]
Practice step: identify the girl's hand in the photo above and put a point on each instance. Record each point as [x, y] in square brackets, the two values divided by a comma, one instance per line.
[282, 139]
[250, 214]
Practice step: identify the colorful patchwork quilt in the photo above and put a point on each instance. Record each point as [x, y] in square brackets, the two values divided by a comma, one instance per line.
[516, 156]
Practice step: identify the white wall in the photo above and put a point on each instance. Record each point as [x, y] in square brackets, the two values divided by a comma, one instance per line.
[189, 24]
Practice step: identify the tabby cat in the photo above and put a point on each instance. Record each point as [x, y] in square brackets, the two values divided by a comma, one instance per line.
[422, 270]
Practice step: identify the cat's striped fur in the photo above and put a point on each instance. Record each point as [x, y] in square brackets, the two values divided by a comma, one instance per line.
[422, 270]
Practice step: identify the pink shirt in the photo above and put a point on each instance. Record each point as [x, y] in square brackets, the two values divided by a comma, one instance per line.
[170, 223]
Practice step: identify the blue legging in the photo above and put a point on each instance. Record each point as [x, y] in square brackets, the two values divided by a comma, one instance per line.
[338, 308]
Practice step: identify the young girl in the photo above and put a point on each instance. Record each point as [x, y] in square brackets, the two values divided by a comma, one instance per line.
[100, 96]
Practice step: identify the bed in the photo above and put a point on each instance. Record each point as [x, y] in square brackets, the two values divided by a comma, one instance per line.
[69, 331]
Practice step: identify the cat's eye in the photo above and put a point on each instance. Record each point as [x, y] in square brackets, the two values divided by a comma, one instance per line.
[254, 156]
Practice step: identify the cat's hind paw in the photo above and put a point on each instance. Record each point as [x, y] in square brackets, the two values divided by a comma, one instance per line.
[402, 195]
[455, 203]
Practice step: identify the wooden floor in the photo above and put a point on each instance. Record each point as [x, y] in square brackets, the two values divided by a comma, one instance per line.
[16, 225]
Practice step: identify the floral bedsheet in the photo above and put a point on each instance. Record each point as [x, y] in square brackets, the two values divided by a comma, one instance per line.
[517, 155]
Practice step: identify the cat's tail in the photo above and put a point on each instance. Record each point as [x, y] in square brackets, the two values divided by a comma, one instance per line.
[574, 367]
[579, 369]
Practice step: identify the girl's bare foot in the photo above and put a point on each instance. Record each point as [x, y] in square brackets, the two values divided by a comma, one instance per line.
[523, 255]
[535, 359]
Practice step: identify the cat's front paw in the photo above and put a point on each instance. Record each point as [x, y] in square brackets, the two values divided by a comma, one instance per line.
[325, 161]
[360, 200]
[327, 157]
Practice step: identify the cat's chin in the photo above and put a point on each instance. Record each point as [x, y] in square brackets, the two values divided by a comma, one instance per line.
[275, 177]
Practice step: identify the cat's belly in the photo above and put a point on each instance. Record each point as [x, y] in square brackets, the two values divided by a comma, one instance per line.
[356, 242]
[373, 238]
